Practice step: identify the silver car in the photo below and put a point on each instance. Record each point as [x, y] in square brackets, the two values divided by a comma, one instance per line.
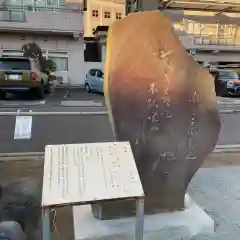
[94, 81]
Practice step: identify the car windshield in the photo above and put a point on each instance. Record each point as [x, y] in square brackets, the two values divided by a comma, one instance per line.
[14, 64]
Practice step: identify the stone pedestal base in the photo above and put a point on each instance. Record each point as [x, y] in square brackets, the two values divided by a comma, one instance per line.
[175, 225]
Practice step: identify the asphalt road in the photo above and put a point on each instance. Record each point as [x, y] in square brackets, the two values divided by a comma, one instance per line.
[76, 129]
[81, 129]
[79, 97]
[54, 130]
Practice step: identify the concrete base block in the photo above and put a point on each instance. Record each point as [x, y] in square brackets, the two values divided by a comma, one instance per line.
[175, 225]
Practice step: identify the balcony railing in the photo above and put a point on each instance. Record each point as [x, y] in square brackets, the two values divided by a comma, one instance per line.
[12, 16]
[41, 20]
[210, 34]
[208, 40]
[18, 8]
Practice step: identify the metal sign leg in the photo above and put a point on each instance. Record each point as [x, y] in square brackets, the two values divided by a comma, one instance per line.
[139, 228]
[46, 228]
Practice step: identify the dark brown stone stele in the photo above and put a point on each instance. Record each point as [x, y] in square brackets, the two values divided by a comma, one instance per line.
[164, 103]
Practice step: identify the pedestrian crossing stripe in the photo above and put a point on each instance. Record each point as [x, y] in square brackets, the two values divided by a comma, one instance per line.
[23, 103]
[229, 102]
[82, 103]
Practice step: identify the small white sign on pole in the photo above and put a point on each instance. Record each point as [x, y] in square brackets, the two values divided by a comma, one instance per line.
[23, 127]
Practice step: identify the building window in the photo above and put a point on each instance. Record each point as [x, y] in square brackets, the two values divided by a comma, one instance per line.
[95, 13]
[61, 63]
[92, 52]
[107, 14]
[12, 53]
[16, 53]
[60, 59]
[118, 15]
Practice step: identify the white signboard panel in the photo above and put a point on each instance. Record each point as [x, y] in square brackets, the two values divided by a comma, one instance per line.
[23, 127]
[82, 173]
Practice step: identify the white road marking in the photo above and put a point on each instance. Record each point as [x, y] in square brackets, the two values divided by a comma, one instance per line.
[228, 101]
[23, 103]
[82, 103]
[227, 148]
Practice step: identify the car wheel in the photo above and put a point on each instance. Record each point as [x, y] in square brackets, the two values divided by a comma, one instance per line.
[41, 92]
[87, 88]
[48, 88]
[3, 95]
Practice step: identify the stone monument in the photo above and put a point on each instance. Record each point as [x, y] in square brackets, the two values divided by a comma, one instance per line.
[162, 101]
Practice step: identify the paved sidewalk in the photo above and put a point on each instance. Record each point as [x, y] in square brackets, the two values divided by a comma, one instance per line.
[217, 190]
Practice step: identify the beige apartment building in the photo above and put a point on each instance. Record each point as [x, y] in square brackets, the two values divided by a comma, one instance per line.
[102, 13]
[208, 37]
[210, 30]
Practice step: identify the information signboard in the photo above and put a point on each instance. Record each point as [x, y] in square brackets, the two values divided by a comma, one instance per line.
[82, 173]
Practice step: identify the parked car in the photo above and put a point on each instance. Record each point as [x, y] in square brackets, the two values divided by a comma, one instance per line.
[227, 83]
[94, 81]
[18, 74]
